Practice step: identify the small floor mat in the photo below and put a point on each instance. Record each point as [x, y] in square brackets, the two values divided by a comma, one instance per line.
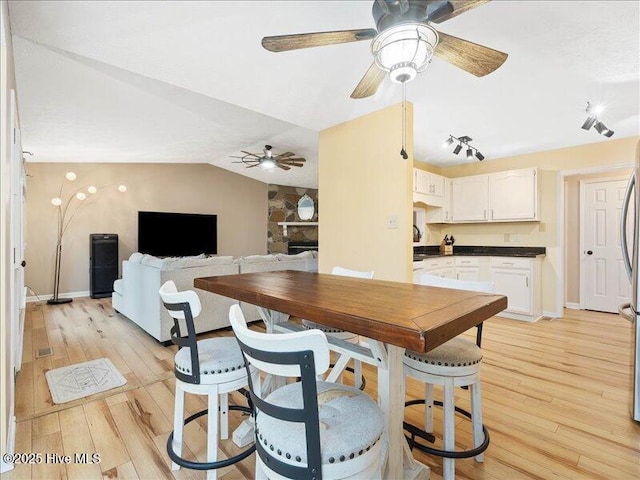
[83, 379]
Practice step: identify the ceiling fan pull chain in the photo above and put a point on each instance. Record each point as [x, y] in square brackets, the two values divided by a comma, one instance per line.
[403, 152]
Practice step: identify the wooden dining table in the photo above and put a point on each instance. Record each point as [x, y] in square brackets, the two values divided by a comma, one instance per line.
[393, 316]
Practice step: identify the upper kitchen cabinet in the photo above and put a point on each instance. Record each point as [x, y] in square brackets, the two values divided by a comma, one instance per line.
[470, 199]
[510, 196]
[428, 188]
[513, 195]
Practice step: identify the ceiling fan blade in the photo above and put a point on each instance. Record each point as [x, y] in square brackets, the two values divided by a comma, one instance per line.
[283, 43]
[459, 7]
[295, 164]
[283, 167]
[470, 57]
[369, 83]
[285, 160]
[285, 155]
[250, 154]
[254, 165]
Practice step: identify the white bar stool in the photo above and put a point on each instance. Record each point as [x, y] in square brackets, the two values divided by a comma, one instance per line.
[455, 363]
[212, 367]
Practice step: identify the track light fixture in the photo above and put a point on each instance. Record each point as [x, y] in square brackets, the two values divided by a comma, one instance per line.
[463, 142]
[592, 120]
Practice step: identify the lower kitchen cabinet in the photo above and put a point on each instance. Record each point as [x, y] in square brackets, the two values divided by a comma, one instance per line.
[468, 268]
[519, 279]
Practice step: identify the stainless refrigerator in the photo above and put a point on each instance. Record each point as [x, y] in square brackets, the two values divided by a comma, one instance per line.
[630, 243]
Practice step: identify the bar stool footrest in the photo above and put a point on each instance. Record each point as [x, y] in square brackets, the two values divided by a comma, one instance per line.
[416, 431]
[183, 462]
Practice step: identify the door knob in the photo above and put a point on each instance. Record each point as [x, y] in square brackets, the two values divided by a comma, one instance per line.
[589, 252]
[23, 263]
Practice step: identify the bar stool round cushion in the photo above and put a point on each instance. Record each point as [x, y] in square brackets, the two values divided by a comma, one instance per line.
[217, 356]
[333, 332]
[350, 424]
[455, 353]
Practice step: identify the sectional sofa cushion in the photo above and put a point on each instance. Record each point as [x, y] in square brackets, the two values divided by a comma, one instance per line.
[257, 259]
[283, 257]
[187, 262]
[136, 257]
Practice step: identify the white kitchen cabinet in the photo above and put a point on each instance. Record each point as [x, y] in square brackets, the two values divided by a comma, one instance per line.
[443, 272]
[428, 188]
[520, 281]
[470, 199]
[418, 270]
[513, 195]
[467, 268]
[440, 266]
[441, 214]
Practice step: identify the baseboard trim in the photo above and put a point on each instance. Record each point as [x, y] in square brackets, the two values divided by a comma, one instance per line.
[62, 295]
[518, 316]
[572, 306]
[552, 314]
[11, 442]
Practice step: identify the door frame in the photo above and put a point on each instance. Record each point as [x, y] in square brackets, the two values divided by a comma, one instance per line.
[560, 226]
[583, 184]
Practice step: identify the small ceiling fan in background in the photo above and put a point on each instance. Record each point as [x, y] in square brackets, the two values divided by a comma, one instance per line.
[403, 42]
[268, 160]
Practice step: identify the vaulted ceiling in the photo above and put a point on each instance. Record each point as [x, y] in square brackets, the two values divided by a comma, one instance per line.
[189, 81]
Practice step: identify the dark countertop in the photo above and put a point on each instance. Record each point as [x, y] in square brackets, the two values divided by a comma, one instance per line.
[431, 251]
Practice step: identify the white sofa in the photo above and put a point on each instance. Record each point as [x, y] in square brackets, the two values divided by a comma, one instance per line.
[136, 294]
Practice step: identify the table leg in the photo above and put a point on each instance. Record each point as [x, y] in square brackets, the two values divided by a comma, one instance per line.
[391, 393]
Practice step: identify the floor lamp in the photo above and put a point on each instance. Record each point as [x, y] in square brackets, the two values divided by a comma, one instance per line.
[66, 214]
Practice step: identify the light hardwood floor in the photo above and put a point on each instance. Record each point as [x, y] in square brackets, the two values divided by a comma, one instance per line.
[555, 400]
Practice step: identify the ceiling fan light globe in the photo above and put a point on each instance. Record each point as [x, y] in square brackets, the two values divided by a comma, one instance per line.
[404, 50]
[268, 163]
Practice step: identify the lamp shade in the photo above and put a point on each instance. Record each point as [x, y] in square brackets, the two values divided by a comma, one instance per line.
[404, 50]
[56, 201]
[122, 188]
[70, 176]
[91, 189]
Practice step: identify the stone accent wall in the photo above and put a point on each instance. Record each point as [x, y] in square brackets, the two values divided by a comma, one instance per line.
[283, 207]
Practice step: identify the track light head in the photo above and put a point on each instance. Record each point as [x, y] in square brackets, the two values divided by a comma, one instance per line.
[457, 149]
[588, 123]
[603, 130]
[469, 154]
[448, 142]
[592, 120]
[479, 156]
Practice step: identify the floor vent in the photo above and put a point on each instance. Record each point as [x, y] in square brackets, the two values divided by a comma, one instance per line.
[44, 352]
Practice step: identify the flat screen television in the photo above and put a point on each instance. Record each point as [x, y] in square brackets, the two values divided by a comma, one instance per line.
[165, 234]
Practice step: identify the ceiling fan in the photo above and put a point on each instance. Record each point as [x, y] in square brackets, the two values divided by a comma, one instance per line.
[403, 42]
[268, 160]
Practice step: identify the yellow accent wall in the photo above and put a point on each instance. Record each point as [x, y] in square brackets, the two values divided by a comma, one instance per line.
[363, 181]
[609, 153]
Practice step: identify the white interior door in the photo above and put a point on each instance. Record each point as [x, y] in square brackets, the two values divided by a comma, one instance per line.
[603, 280]
[16, 226]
